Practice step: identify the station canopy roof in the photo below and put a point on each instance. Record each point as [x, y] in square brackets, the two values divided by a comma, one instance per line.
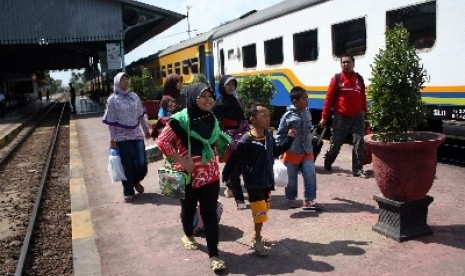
[57, 34]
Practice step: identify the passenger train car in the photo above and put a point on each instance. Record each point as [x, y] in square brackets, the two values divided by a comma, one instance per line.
[299, 42]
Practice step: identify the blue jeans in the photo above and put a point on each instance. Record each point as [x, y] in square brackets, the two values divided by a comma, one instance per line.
[134, 161]
[307, 168]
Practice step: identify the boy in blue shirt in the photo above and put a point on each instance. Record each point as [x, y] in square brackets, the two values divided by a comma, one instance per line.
[299, 157]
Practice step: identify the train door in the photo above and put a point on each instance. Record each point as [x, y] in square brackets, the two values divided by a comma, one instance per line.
[220, 55]
[202, 59]
[206, 63]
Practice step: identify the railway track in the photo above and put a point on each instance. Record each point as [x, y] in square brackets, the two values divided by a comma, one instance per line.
[35, 236]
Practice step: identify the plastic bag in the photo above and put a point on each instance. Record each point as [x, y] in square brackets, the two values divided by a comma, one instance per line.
[280, 173]
[115, 168]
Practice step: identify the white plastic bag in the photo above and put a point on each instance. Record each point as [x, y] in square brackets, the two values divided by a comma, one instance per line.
[115, 168]
[280, 173]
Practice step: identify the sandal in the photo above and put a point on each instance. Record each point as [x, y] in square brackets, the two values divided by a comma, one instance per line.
[189, 243]
[311, 205]
[217, 264]
[266, 242]
[139, 188]
[258, 247]
[128, 198]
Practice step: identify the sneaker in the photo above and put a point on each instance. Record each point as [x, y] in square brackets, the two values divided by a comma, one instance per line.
[241, 205]
[360, 173]
[228, 193]
[292, 203]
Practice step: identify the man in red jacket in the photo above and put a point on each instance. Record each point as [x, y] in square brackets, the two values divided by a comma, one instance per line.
[346, 96]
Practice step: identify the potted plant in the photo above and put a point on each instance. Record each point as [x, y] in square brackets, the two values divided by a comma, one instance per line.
[404, 160]
[255, 88]
[144, 86]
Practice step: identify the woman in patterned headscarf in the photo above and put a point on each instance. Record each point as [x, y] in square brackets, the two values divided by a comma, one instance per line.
[125, 117]
[198, 122]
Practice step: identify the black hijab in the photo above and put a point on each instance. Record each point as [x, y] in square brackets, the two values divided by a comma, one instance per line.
[201, 121]
[228, 106]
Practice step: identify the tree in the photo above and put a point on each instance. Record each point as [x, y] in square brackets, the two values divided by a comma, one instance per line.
[256, 88]
[397, 78]
[144, 85]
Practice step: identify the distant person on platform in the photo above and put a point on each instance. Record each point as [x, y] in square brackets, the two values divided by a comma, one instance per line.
[2, 103]
[39, 97]
[47, 95]
[72, 93]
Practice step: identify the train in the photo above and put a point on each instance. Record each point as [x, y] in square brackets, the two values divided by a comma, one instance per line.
[299, 42]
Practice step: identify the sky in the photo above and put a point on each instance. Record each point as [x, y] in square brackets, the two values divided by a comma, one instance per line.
[203, 16]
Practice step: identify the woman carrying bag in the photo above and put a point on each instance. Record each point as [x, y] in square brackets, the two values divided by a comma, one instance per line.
[125, 117]
[206, 138]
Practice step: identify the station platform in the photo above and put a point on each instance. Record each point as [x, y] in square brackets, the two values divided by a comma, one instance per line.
[111, 237]
[14, 119]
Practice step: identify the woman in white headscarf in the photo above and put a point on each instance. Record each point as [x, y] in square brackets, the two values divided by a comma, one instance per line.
[125, 117]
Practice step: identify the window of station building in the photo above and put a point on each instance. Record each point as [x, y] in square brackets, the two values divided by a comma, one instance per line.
[274, 51]
[170, 69]
[306, 46]
[249, 56]
[349, 38]
[185, 67]
[419, 20]
[195, 65]
[163, 71]
[177, 68]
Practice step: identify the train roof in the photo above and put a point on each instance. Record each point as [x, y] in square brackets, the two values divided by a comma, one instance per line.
[250, 19]
[275, 11]
[201, 38]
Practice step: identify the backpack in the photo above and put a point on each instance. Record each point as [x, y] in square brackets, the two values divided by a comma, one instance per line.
[338, 81]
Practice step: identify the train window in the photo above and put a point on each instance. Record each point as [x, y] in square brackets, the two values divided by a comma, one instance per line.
[185, 67]
[349, 38]
[274, 51]
[249, 56]
[231, 54]
[306, 46]
[419, 20]
[170, 69]
[177, 68]
[195, 65]
[163, 71]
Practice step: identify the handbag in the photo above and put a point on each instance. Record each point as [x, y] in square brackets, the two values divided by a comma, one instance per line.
[198, 222]
[153, 153]
[172, 182]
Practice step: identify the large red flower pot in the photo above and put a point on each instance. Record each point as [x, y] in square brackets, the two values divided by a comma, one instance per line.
[151, 108]
[405, 171]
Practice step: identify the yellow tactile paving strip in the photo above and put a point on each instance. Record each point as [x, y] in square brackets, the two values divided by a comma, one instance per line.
[86, 260]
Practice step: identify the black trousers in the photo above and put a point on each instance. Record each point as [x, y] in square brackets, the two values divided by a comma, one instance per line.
[207, 197]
